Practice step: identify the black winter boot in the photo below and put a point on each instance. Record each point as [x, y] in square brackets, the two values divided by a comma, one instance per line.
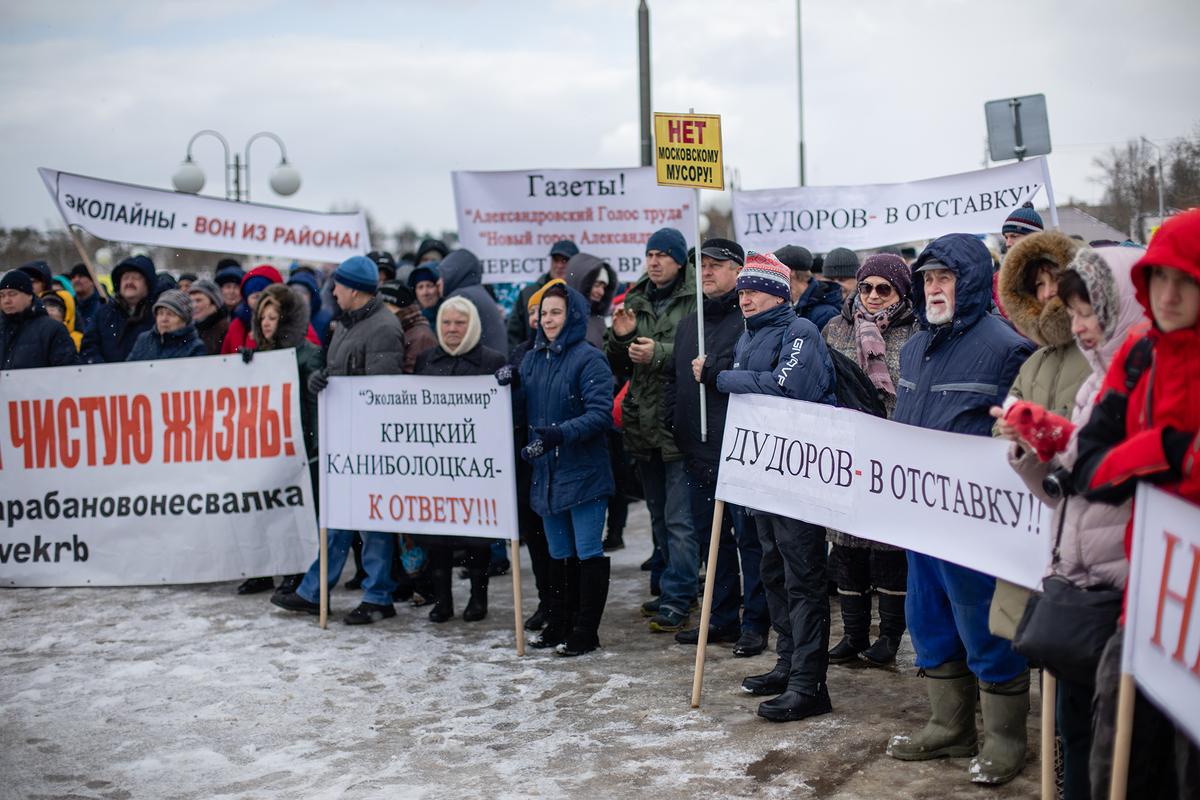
[559, 611]
[891, 629]
[593, 595]
[443, 606]
[477, 606]
[856, 627]
[256, 585]
[360, 574]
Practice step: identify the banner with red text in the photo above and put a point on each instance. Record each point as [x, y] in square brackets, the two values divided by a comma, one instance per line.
[183, 471]
[861, 217]
[943, 494]
[123, 212]
[1162, 607]
[511, 219]
[418, 454]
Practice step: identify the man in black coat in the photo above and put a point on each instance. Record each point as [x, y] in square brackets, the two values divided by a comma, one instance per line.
[29, 338]
[118, 324]
[720, 262]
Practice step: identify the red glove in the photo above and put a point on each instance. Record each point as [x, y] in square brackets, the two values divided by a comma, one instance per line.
[1046, 433]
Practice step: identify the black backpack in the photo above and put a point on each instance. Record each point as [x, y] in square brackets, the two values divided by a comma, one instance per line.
[853, 388]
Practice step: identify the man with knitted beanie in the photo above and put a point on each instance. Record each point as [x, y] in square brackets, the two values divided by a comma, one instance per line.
[784, 355]
[841, 267]
[1020, 223]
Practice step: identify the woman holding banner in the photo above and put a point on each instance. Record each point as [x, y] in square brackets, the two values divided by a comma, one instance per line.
[875, 322]
[459, 352]
[568, 389]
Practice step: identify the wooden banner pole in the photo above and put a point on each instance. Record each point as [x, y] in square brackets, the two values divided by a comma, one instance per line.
[1124, 738]
[1049, 690]
[710, 578]
[516, 584]
[87, 262]
[324, 557]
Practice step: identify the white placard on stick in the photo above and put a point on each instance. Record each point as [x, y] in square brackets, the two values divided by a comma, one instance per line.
[943, 494]
[1162, 611]
[418, 454]
[124, 212]
[861, 217]
[511, 219]
[181, 471]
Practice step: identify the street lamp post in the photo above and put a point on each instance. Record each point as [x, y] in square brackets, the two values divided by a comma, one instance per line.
[285, 180]
[1157, 149]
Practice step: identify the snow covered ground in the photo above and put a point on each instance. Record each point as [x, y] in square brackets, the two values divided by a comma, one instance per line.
[193, 692]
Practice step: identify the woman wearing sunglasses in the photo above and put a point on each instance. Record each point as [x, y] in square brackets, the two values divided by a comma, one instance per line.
[875, 322]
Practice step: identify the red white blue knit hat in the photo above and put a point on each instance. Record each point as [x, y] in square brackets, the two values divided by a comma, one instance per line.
[765, 273]
[1024, 220]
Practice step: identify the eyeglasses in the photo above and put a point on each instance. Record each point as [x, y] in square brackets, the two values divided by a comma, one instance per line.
[884, 290]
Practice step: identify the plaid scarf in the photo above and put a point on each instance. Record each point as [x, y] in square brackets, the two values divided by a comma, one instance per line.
[872, 350]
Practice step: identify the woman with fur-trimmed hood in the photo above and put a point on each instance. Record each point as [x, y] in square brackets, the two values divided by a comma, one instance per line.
[280, 321]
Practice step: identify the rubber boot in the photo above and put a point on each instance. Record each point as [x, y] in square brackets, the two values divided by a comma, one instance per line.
[477, 606]
[950, 732]
[1005, 711]
[443, 605]
[856, 628]
[593, 595]
[558, 611]
[891, 629]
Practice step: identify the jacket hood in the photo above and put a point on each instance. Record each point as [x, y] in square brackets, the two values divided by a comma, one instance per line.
[141, 265]
[1177, 245]
[575, 328]
[1045, 323]
[459, 270]
[293, 319]
[969, 260]
[474, 326]
[1106, 272]
[820, 292]
[263, 271]
[308, 281]
[581, 271]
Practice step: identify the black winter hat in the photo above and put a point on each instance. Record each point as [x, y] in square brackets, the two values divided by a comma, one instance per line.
[795, 258]
[17, 280]
[79, 271]
[840, 262]
[189, 276]
[386, 263]
[39, 270]
[230, 273]
[140, 264]
[432, 245]
[723, 250]
[397, 294]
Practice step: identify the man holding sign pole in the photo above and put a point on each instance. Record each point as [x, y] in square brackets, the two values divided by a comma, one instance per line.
[952, 371]
[784, 355]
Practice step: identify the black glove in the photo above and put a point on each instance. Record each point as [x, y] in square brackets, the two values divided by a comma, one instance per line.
[247, 354]
[505, 375]
[317, 382]
[550, 437]
[1175, 447]
[533, 451]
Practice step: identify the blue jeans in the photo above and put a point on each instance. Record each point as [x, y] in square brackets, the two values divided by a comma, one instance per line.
[577, 532]
[732, 588]
[947, 609]
[670, 504]
[377, 561]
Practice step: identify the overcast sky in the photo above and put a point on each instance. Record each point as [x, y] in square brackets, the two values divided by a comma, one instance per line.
[378, 101]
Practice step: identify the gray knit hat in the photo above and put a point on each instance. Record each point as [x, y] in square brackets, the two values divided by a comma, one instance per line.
[177, 303]
[209, 289]
[840, 263]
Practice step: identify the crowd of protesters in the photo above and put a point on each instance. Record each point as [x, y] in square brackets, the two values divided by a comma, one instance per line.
[1084, 356]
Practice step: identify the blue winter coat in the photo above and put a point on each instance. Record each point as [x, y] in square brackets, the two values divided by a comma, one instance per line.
[568, 384]
[115, 328]
[950, 375]
[821, 302]
[781, 354]
[183, 343]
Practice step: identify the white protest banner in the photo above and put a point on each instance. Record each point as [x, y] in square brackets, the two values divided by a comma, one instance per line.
[511, 219]
[123, 212]
[942, 494]
[413, 454]
[1162, 611]
[859, 217]
[182, 471]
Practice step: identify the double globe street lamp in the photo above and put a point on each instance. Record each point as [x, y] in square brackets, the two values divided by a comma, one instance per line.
[189, 178]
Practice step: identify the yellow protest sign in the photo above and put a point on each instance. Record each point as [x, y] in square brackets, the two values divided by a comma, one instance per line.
[687, 150]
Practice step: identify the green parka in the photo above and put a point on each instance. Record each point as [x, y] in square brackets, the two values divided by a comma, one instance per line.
[642, 410]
